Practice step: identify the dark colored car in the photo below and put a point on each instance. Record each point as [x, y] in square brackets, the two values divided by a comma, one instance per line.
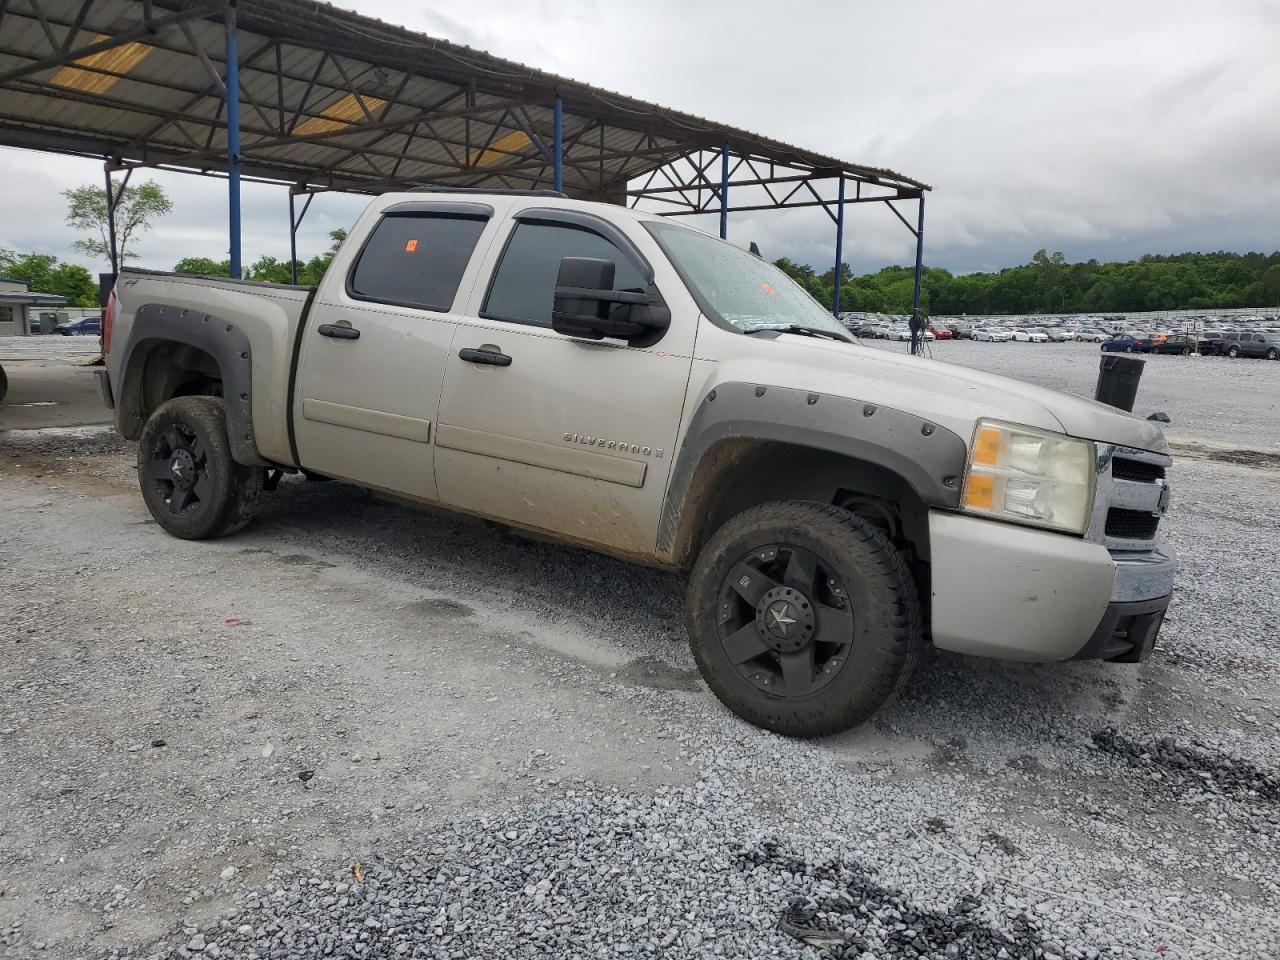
[1208, 340]
[85, 326]
[1250, 344]
[1126, 343]
[1184, 344]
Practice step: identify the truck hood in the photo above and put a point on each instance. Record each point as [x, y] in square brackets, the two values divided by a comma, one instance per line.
[950, 395]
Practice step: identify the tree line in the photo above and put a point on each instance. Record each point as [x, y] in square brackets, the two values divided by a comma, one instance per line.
[268, 269]
[1048, 284]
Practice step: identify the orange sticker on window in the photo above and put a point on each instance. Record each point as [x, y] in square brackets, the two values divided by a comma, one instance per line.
[410, 246]
[767, 289]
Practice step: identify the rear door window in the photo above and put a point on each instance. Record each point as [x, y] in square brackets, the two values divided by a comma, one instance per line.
[415, 260]
[524, 284]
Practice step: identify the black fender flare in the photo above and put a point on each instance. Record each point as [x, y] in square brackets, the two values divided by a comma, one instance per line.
[157, 324]
[930, 458]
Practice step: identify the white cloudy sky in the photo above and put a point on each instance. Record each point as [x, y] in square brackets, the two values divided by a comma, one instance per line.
[1100, 128]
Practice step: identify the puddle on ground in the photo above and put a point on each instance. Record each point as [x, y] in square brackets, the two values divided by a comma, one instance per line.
[438, 608]
[302, 560]
[655, 673]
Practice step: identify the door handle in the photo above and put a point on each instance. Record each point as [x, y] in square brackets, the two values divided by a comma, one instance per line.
[486, 354]
[339, 331]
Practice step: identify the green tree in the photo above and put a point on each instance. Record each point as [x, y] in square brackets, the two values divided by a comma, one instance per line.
[45, 274]
[204, 266]
[137, 208]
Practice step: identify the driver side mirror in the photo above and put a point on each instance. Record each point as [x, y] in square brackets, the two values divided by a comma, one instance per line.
[587, 306]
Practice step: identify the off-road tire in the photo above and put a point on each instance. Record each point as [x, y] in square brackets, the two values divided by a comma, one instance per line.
[233, 490]
[881, 595]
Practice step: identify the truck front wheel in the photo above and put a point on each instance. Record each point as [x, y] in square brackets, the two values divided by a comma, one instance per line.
[190, 483]
[803, 618]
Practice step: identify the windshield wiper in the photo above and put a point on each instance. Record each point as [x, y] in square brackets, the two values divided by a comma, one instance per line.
[802, 331]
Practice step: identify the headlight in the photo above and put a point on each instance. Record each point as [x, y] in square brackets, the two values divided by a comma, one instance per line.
[1024, 475]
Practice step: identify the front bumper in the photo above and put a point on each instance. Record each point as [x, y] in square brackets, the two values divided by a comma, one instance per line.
[1000, 590]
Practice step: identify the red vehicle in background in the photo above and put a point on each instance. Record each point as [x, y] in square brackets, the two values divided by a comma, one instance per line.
[941, 332]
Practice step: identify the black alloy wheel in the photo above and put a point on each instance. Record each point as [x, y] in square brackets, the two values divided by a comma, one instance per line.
[190, 482]
[786, 624]
[178, 467]
[803, 618]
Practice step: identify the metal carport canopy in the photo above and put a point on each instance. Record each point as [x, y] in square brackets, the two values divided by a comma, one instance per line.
[320, 98]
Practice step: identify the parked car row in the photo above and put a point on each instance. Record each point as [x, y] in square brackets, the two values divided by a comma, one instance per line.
[1209, 337]
[1235, 343]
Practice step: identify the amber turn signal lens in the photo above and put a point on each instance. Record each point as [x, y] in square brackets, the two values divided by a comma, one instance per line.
[980, 491]
[986, 449]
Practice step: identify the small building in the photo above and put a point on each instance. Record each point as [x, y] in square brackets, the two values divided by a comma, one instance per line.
[23, 312]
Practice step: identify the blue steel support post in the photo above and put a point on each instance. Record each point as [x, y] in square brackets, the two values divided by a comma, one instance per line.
[724, 192]
[835, 303]
[232, 94]
[293, 242]
[916, 321]
[558, 145]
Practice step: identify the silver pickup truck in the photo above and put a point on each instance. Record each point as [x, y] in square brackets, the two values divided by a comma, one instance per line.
[616, 381]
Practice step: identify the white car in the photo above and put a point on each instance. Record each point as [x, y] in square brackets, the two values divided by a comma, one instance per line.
[904, 333]
[992, 334]
[1023, 335]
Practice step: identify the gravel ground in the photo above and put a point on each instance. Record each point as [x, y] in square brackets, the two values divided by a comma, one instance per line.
[1210, 399]
[358, 730]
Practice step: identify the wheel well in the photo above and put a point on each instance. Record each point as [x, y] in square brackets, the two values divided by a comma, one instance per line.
[738, 474]
[160, 370]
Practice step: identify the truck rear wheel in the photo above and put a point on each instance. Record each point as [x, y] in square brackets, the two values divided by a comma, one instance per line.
[803, 618]
[190, 483]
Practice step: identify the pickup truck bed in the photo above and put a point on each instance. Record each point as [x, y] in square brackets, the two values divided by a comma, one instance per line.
[266, 321]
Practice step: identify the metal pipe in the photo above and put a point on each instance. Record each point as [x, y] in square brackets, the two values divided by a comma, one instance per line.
[557, 146]
[233, 140]
[111, 220]
[293, 242]
[835, 304]
[915, 294]
[724, 191]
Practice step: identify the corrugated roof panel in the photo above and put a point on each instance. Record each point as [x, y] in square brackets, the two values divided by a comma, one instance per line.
[339, 70]
[344, 112]
[118, 60]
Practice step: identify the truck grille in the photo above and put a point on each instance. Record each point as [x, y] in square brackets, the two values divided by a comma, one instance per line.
[1131, 499]
[1131, 524]
[1139, 471]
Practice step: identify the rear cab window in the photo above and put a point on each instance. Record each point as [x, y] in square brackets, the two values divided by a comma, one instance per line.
[416, 255]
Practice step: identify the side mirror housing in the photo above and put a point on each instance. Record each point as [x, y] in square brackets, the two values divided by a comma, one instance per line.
[587, 306]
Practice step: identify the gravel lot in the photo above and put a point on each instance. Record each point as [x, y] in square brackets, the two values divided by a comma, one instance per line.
[358, 730]
[1211, 400]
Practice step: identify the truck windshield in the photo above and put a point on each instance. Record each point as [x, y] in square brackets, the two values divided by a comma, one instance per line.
[740, 288]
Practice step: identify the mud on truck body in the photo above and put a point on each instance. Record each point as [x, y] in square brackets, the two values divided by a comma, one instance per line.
[615, 381]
